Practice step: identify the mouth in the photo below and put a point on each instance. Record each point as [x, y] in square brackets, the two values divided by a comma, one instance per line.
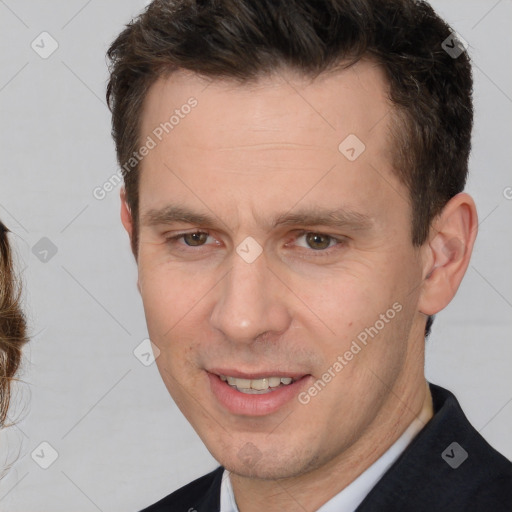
[255, 394]
[257, 386]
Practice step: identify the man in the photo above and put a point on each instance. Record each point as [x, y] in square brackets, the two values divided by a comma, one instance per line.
[294, 177]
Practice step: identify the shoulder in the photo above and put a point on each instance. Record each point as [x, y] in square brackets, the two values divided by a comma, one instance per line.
[200, 495]
[449, 466]
[467, 445]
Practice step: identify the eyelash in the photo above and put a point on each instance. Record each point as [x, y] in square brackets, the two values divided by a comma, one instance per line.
[317, 253]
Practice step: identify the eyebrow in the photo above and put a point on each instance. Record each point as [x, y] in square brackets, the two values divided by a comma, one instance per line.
[317, 216]
[313, 216]
[173, 214]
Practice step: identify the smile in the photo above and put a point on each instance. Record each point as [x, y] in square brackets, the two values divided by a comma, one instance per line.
[257, 386]
[255, 394]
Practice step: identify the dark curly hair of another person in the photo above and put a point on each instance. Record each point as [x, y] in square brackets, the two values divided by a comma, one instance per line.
[13, 327]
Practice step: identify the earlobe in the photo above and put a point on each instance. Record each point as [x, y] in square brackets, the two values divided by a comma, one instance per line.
[448, 252]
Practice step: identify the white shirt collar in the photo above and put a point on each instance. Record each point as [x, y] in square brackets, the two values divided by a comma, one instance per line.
[351, 497]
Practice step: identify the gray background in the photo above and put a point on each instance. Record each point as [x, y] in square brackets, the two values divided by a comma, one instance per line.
[121, 441]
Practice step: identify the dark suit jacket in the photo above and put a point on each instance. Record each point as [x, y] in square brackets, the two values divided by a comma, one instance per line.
[433, 473]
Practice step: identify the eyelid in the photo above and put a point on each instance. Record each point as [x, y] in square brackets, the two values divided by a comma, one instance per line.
[341, 240]
[176, 236]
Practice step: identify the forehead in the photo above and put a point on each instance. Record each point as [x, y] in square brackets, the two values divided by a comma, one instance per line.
[269, 139]
[351, 99]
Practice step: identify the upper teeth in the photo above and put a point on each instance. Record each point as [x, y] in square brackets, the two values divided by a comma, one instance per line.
[258, 384]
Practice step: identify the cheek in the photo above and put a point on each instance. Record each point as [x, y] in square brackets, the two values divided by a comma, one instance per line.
[342, 300]
[171, 303]
[364, 313]
[174, 303]
[168, 296]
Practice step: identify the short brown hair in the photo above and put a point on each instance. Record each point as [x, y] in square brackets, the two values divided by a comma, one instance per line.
[12, 324]
[430, 88]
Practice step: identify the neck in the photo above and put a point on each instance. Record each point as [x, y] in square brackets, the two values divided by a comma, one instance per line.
[311, 490]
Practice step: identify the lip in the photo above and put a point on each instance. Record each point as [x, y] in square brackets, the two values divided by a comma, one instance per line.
[242, 404]
[254, 375]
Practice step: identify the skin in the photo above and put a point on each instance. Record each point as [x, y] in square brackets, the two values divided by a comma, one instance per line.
[245, 155]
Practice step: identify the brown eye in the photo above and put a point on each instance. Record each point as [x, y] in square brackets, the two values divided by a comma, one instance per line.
[195, 239]
[318, 241]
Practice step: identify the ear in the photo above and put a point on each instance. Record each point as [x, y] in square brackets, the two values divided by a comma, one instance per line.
[447, 253]
[127, 220]
[126, 214]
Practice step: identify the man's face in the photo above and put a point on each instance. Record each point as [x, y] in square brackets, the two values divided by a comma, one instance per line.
[300, 245]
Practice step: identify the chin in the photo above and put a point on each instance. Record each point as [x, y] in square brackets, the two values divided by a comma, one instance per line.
[250, 462]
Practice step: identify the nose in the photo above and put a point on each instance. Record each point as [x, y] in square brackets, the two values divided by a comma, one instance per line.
[251, 302]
